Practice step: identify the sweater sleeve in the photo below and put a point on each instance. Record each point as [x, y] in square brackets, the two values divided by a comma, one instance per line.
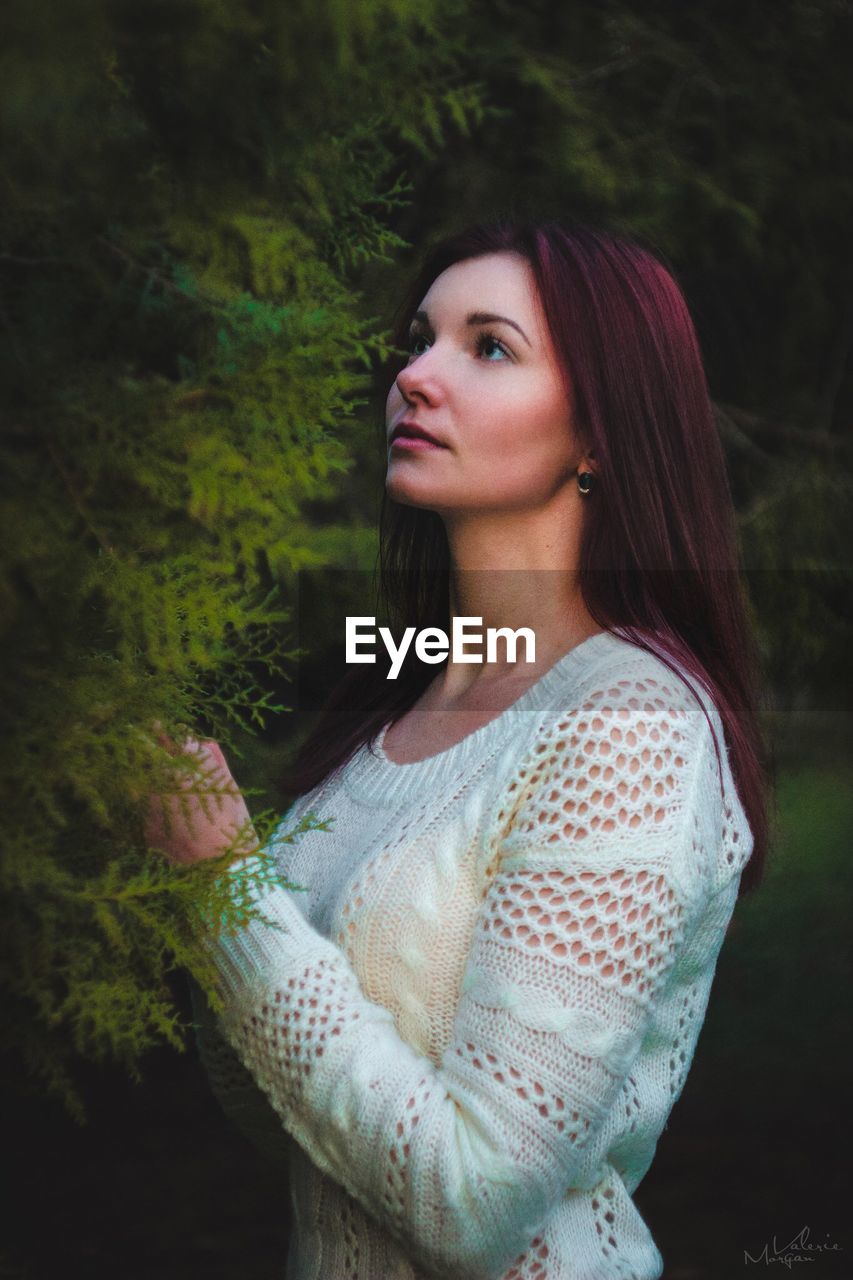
[243, 1104]
[589, 907]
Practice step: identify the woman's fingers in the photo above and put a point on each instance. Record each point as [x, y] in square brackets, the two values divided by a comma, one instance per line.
[188, 826]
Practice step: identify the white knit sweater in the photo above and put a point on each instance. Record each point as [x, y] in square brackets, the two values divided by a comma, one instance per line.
[472, 1028]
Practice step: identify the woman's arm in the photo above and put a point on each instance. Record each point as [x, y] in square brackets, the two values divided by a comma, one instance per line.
[234, 1087]
[576, 938]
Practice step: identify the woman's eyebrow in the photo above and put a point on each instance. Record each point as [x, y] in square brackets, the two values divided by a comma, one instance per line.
[479, 317]
[486, 317]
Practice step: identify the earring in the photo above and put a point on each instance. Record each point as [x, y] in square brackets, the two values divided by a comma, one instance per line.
[586, 479]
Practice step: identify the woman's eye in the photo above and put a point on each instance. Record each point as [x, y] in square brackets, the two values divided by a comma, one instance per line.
[415, 340]
[489, 346]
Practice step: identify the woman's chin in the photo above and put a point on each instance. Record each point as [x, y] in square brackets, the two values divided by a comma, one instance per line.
[410, 494]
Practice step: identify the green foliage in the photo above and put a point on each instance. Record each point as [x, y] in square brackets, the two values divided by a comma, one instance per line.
[188, 187]
[797, 531]
[207, 209]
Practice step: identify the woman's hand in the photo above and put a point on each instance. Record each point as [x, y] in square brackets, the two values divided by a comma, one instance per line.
[180, 827]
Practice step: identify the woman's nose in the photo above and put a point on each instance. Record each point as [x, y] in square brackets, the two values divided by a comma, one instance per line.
[420, 380]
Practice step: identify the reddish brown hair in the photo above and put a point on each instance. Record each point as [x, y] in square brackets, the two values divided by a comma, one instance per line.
[658, 555]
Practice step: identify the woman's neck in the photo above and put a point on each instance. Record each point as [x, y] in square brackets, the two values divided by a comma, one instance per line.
[515, 572]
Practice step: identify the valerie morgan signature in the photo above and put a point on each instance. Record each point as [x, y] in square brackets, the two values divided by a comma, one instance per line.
[800, 1249]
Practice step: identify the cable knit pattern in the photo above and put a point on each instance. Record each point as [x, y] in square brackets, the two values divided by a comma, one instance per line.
[472, 1027]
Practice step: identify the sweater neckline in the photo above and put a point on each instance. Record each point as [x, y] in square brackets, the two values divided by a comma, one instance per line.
[370, 775]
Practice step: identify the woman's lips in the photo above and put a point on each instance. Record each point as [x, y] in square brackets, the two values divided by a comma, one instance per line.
[415, 443]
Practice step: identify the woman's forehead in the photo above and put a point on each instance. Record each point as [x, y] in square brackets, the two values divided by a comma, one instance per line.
[485, 283]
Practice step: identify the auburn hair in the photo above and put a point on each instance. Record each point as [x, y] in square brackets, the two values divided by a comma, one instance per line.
[658, 556]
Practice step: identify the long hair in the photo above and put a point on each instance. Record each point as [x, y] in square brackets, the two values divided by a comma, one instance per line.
[658, 553]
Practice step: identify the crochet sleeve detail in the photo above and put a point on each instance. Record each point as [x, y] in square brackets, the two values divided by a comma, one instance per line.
[244, 1106]
[589, 904]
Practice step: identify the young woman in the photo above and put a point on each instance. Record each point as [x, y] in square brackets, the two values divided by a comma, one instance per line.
[465, 1038]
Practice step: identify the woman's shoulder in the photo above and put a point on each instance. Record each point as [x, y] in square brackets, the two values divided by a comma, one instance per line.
[627, 723]
[632, 743]
[625, 682]
[612, 699]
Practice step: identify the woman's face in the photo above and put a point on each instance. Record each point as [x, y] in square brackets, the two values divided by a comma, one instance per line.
[482, 379]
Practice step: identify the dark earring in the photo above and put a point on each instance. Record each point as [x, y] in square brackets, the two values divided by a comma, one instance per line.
[585, 481]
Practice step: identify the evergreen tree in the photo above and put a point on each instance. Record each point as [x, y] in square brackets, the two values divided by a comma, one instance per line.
[188, 186]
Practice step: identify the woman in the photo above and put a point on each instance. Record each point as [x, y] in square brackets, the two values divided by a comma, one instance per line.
[477, 1019]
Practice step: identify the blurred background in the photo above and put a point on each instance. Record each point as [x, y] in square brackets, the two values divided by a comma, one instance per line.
[209, 213]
